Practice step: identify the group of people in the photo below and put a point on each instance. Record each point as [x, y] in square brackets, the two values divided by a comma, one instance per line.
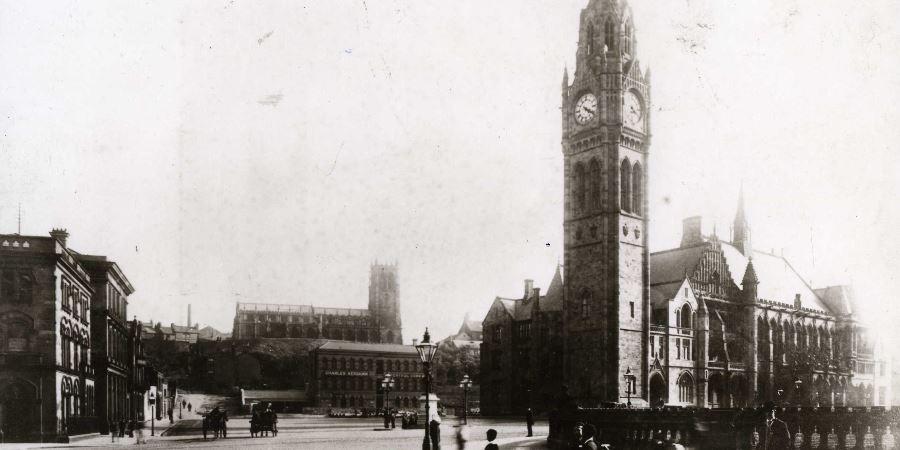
[217, 422]
[261, 423]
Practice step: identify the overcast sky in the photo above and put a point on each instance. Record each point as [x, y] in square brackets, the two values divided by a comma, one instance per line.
[270, 151]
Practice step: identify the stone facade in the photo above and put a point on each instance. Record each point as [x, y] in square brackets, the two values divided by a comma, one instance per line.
[605, 143]
[522, 351]
[379, 323]
[110, 336]
[46, 370]
[349, 375]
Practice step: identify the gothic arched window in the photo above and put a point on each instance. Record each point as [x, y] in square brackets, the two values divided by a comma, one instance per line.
[609, 35]
[625, 185]
[590, 39]
[685, 317]
[628, 38]
[637, 180]
[585, 303]
[578, 188]
[685, 388]
[594, 171]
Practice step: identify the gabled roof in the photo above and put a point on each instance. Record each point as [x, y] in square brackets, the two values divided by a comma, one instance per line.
[662, 293]
[839, 299]
[672, 266]
[472, 325]
[553, 301]
[778, 281]
[184, 329]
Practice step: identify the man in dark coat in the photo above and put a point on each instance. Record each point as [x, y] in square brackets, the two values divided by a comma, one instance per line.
[529, 420]
[435, 431]
[775, 435]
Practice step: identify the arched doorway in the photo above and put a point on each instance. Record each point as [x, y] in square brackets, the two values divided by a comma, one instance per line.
[659, 392]
[739, 391]
[17, 400]
[716, 391]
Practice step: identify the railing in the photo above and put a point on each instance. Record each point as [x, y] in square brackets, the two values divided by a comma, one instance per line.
[675, 330]
[839, 428]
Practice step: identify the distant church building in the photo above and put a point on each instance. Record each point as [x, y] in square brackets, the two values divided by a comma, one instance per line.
[711, 323]
[379, 323]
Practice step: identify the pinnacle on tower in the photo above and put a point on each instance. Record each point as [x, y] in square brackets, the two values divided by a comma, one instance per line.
[741, 238]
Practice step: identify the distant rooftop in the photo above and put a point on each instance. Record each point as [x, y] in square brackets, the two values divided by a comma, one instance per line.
[370, 348]
[300, 309]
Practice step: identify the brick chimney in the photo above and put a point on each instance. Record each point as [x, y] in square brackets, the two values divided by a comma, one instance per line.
[690, 234]
[61, 235]
[529, 286]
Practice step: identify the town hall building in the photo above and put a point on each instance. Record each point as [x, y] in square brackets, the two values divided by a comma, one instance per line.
[712, 323]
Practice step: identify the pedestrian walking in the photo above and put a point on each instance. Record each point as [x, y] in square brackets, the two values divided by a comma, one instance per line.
[121, 428]
[462, 436]
[393, 420]
[776, 435]
[491, 435]
[435, 432]
[189, 407]
[171, 416]
[529, 420]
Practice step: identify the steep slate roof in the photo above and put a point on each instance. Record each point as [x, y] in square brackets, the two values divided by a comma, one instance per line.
[839, 298]
[553, 301]
[522, 310]
[473, 326]
[778, 281]
[670, 266]
[664, 292]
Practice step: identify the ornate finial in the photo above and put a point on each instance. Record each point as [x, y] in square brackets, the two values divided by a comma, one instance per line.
[427, 338]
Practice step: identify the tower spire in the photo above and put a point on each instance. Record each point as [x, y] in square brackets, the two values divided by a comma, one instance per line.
[741, 238]
[19, 228]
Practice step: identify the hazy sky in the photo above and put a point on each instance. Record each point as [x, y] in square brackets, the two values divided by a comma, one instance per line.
[270, 151]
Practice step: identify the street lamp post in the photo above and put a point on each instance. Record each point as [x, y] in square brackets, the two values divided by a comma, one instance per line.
[797, 384]
[386, 385]
[426, 351]
[465, 384]
[629, 383]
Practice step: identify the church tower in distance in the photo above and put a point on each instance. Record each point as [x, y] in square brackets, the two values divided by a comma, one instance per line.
[384, 302]
[605, 143]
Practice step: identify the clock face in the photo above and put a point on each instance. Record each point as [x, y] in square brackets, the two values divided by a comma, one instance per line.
[585, 108]
[634, 110]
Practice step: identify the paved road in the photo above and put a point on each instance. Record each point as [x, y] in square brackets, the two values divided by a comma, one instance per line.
[315, 432]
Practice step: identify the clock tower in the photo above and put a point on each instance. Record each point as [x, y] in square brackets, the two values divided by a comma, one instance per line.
[605, 143]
